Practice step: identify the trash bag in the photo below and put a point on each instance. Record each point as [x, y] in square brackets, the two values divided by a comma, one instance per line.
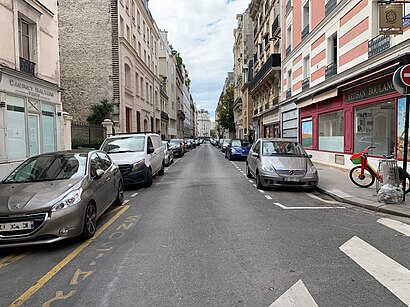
[390, 194]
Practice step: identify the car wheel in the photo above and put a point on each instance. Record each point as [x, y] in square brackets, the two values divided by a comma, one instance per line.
[259, 185]
[120, 194]
[162, 170]
[90, 222]
[148, 178]
[230, 157]
[248, 172]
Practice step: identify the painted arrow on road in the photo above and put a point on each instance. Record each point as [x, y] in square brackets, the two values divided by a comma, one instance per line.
[297, 295]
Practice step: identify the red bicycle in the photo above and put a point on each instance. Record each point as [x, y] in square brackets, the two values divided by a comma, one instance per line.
[364, 175]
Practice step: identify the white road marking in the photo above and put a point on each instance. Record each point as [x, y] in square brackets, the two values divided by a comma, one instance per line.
[135, 194]
[396, 225]
[254, 185]
[297, 295]
[268, 197]
[244, 174]
[262, 191]
[251, 181]
[385, 270]
[306, 208]
[125, 201]
[323, 200]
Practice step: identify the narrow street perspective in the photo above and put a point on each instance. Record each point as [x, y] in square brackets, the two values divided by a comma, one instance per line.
[205, 153]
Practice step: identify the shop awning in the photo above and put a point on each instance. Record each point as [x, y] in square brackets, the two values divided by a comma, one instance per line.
[318, 98]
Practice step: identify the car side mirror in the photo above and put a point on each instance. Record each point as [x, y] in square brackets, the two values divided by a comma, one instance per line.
[255, 154]
[98, 174]
[310, 156]
[150, 150]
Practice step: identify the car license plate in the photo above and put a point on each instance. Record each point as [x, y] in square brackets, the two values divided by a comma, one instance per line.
[293, 179]
[16, 226]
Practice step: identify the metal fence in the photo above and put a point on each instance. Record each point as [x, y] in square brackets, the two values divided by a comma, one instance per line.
[84, 135]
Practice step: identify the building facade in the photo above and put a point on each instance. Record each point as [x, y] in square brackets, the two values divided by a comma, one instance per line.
[265, 86]
[204, 123]
[31, 114]
[121, 62]
[338, 71]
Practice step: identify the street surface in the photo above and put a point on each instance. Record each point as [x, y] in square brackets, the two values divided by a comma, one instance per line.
[203, 235]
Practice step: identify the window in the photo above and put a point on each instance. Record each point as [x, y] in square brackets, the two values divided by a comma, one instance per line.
[128, 34]
[307, 132]
[138, 121]
[48, 120]
[24, 39]
[136, 84]
[142, 87]
[374, 126]
[146, 92]
[127, 76]
[139, 21]
[306, 16]
[16, 132]
[331, 136]
[128, 119]
[143, 29]
[121, 27]
[333, 49]
[289, 37]
[139, 49]
[289, 81]
[306, 67]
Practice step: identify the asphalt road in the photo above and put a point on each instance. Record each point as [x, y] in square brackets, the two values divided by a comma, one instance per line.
[203, 235]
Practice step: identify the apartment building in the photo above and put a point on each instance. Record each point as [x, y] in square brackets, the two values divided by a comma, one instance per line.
[111, 51]
[338, 70]
[31, 115]
[193, 117]
[266, 80]
[204, 123]
[242, 52]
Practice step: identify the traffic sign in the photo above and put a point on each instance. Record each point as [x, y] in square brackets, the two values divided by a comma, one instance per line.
[405, 74]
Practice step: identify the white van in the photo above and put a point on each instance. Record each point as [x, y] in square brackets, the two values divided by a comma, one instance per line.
[140, 156]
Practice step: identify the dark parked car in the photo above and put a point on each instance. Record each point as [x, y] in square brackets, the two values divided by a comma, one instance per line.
[54, 196]
[177, 147]
[237, 149]
[281, 162]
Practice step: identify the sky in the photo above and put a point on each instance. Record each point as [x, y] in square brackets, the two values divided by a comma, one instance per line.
[202, 32]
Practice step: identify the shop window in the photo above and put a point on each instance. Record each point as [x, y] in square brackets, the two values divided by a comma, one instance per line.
[374, 126]
[307, 132]
[48, 123]
[331, 136]
[16, 132]
[401, 115]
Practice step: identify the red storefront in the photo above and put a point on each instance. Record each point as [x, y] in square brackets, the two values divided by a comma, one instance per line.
[358, 116]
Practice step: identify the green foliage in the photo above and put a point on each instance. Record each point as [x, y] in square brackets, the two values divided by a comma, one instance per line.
[212, 133]
[100, 111]
[225, 110]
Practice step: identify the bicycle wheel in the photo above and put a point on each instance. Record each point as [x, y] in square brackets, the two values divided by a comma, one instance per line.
[364, 181]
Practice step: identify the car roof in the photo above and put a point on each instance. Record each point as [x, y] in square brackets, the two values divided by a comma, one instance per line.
[278, 140]
[131, 134]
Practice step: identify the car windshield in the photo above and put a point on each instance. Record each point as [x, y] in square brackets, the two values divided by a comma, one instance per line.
[174, 142]
[239, 143]
[273, 148]
[226, 142]
[49, 167]
[124, 144]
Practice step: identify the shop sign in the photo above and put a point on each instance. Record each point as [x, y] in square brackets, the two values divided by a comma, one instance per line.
[376, 89]
[391, 19]
[25, 88]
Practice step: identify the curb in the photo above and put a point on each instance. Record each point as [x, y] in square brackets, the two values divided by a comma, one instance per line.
[376, 208]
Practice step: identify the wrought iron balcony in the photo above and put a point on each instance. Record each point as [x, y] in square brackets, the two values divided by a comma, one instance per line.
[305, 31]
[260, 109]
[267, 106]
[288, 50]
[255, 111]
[288, 93]
[305, 83]
[331, 70]
[274, 60]
[288, 6]
[275, 25]
[237, 102]
[27, 66]
[275, 101]
[164, 115]
[378, 45]
[330, 6]
[181, 114]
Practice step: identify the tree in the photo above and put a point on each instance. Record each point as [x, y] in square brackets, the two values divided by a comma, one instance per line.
[212, 133]
[225, 110]
[100, 111]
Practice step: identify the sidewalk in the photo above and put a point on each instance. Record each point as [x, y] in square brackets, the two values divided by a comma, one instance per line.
[335, 181]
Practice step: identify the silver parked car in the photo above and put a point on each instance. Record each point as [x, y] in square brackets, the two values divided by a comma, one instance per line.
[168, 153]
[57, 195]
[280, 162]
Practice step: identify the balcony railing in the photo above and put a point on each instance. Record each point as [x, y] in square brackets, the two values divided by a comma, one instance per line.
[255, 111]
[305, 83]
[274, 60]
[331, 70]
[275, 25]
[330, 6]
[288, 93]
[305, 31]
[288, 50]
[27, 66]
[288, 6]
[267, 106]
[181, 114]
[164, 115]
[237, 102]
[275, 101]
[378, 45]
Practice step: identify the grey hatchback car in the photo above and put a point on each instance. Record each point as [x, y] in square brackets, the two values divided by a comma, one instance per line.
[57, 195]
[281, 162]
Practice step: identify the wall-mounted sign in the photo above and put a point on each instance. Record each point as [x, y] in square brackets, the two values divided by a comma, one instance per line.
[376, 89]
[391, 19]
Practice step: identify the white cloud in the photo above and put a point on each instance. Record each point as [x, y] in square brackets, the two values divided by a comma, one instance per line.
[202, 31]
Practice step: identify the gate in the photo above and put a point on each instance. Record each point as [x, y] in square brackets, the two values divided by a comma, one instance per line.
[87, 136]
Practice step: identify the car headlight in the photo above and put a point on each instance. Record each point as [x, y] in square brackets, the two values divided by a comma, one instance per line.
[139, 164]
[312, 171]
[268, 168]
[71, 199]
